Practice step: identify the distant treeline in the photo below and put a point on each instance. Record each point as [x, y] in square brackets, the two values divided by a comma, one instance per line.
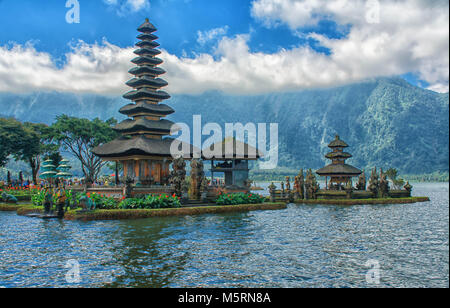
[430, 177]
[282, 173]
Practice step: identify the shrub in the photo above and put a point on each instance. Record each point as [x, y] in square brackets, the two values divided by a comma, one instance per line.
[239, 198]
[103, 202]
[151, 202]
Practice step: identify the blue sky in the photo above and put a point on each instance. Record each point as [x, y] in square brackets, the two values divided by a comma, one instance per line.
[289, 32]
[178, 21]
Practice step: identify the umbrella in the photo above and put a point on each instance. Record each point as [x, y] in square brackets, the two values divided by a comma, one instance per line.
[64, 167]
[64, 175]
[48, 174]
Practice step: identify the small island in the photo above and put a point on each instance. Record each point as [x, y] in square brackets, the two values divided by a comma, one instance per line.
[339, 189]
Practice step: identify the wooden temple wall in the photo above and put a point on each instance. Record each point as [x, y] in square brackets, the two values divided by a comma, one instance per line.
[142, 169]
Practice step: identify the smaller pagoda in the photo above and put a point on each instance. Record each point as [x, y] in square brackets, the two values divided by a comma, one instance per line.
[48, 170]
[233, 161]
[338, 171]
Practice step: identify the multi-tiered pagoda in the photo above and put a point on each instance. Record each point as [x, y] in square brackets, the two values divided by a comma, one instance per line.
[339, 172]
[142, 148]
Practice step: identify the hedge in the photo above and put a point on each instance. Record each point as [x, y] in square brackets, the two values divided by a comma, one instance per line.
[365, 201]
[139, 214]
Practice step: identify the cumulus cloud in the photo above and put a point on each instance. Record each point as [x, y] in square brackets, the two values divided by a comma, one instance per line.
[204, 37]
[124, 7]
[98, 68]
[386, 37]
[411, 37]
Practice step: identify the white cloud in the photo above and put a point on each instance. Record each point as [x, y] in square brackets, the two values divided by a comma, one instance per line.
[89, 69]
[415, 41]
[204, 37]
[411, 35]
[125, 7]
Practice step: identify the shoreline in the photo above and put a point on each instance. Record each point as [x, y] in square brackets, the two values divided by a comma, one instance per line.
[75, 215]
[364, 201]
[97, 215]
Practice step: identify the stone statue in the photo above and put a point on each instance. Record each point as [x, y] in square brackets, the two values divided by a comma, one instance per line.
[48, 201]
[272, 190]
[408, 187]
[361, 182]
[383, 185]
[185, 191]
[204, 185]
[282, 190]
[248, 184]
[290, 196]
[297, 188]
[301, 183]
[129, 187]
[311, 185]
[374, 183]
[349, 190]
[8, 198]
[197, 175]
[288, 183]
[61, 200]
[87, 204]
[178, 175]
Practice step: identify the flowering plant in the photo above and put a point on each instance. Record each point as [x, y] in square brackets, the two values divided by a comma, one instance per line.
[239, 198]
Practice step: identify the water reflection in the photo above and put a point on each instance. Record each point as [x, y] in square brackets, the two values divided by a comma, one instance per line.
[302, 246]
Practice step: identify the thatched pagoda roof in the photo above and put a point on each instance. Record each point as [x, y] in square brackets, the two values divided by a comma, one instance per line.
[149, 70]
[235, 149]
[147, 37]
[338, 143]
[146, 94]
[140, 146]
[339, 169]
[142, 107]
[147, 27]
[147, 44]
[147, 61]
[147, 81]
[144, 125]
[334, 155]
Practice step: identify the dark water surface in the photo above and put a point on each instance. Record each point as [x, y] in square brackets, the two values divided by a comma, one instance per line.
[302, 246]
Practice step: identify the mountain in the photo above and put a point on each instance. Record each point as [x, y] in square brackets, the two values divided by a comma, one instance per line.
[387, 121]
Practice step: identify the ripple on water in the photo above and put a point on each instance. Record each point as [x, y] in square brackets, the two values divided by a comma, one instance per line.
[301, 246]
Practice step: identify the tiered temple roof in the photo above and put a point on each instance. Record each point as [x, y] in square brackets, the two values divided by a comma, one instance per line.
[338, 167]
[143, 132]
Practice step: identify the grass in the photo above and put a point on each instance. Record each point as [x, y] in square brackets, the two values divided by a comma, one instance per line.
[139, 214]
[365, 201]
[21, 209]
[9, 207]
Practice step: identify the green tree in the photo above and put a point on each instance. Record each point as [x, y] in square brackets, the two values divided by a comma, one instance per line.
[80, 136]
[38, 141]
[12, 139]
[392, 174]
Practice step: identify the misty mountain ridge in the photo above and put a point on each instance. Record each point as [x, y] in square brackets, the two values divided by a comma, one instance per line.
[386, 121]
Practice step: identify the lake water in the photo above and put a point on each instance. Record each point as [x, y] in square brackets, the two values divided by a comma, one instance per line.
[302, 246]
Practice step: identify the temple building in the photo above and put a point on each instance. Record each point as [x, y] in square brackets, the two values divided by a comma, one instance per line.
[338, 171]
[142, 148]
[233, 162]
